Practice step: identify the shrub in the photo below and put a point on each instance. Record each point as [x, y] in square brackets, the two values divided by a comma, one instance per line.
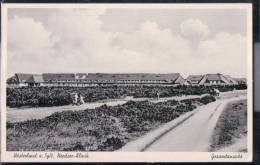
[58, 96]
[241, 87]
[207, 99]
[101, 129]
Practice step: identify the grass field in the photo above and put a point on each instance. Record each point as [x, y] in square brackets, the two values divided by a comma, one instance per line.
[102, 129]
[231, 126]
[58, 96]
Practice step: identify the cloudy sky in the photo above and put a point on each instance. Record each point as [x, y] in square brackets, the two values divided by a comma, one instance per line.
[127, 40]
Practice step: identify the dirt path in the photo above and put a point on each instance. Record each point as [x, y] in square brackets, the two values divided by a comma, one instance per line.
[19, 114]
[195, 133]
[190, 132]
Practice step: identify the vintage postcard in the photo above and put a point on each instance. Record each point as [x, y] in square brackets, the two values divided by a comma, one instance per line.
[126, 83]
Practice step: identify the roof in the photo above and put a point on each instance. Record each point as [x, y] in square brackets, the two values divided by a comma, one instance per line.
[45, 77]
[213, 77]
[11, 80]
[217, 77]
[35, 79]
[58, 76]
[81, 74]
[195, 77]
[230, 79]
[132, 76]
[22, 77]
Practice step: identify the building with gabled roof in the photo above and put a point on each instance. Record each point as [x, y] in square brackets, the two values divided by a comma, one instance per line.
[18, 80]
[210, 79]
[135, 78]
[214, 79]
[92, 79]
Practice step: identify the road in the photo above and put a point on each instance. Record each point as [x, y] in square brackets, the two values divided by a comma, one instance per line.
[195, 133]
[23, 114]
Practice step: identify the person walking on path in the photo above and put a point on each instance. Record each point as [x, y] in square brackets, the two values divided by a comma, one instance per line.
[216, 91]
[75, 99]
[81, 99]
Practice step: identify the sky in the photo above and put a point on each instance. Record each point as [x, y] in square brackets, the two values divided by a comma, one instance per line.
[196, 41]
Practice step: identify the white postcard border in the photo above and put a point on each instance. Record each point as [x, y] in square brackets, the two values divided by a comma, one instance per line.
[7, 156]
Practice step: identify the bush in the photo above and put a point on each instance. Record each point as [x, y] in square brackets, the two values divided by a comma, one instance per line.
[207, 99]
[101, 129]
[58, 96]
[111, 143]
[241, 87]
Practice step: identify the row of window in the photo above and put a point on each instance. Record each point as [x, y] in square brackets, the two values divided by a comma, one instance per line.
[66, 84]
[105, 81]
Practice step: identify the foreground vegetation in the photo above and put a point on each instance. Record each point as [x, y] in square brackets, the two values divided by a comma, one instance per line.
[57, 96]
[101, 129]
[231, 125]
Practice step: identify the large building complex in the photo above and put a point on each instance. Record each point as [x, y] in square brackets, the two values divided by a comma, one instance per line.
[94, 79]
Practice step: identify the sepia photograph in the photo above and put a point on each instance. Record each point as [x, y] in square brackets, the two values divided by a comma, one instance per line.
[139, 82]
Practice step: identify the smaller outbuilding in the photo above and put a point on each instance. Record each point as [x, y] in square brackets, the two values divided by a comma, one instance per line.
[18, 80]
[211, 79]
[214, 79]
